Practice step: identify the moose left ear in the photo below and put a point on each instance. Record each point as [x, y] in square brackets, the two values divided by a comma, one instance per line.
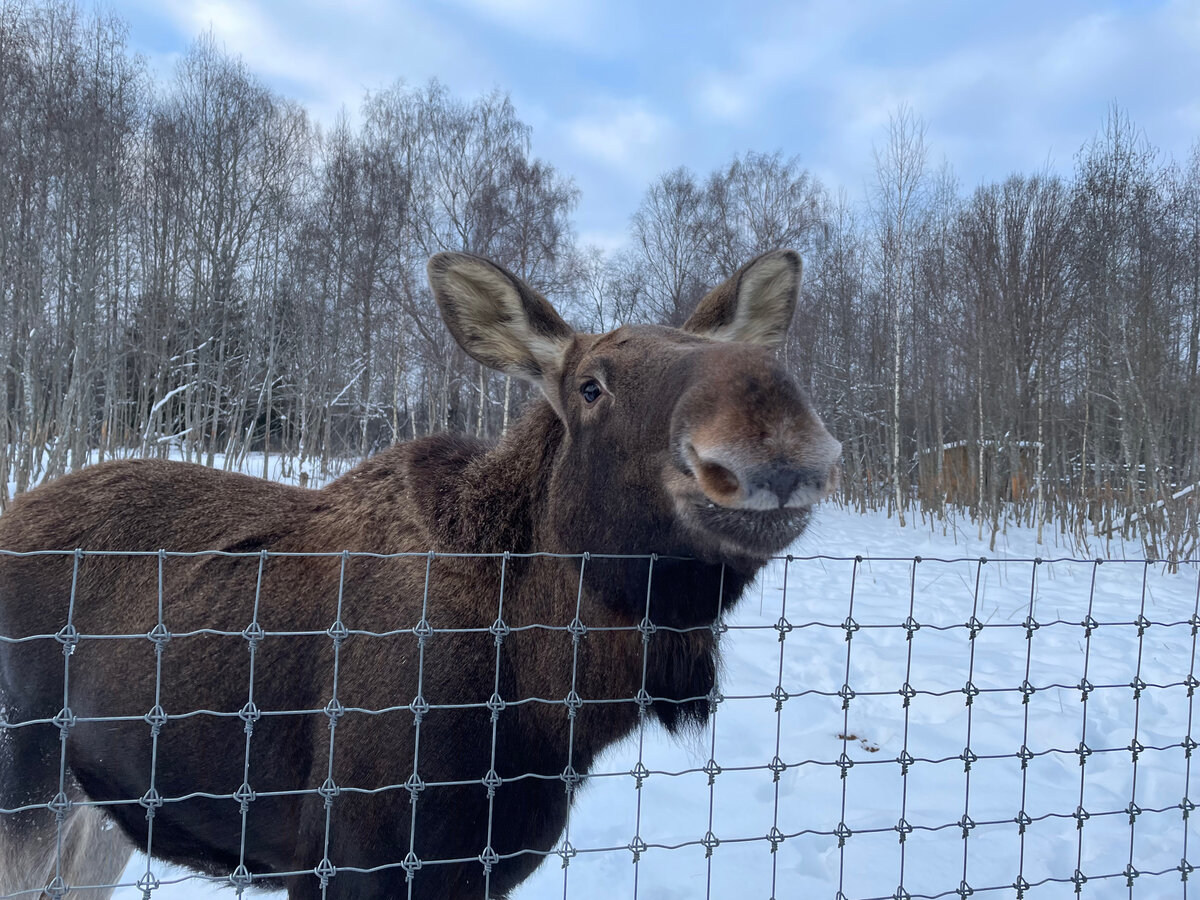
[755, 304]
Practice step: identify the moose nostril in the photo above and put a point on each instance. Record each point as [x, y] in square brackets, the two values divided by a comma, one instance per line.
[782, 481]
[717, 480]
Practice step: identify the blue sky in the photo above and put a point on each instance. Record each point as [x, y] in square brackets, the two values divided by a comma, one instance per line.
[618, 91]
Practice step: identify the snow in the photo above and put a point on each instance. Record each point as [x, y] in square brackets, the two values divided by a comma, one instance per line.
[809, 731]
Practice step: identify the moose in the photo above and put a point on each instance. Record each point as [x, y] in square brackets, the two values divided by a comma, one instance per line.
[393, 685]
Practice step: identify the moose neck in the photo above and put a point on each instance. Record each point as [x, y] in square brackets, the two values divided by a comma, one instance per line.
[526, 494]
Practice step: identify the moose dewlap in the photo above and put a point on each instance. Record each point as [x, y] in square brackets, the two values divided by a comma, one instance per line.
[372, 723]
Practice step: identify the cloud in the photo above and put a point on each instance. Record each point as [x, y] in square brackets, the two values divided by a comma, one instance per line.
[593, 27]
[621, 135]
[327, 57]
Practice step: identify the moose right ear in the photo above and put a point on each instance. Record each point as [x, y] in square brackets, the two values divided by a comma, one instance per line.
[756, 304]
[499, 320]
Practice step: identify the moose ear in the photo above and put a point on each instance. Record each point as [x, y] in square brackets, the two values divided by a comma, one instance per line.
[498, 319]
[756, 303]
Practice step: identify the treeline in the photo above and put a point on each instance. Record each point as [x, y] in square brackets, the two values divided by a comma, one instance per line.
[197, 268]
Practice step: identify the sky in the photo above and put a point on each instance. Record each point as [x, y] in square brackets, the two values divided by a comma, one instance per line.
[619, 91]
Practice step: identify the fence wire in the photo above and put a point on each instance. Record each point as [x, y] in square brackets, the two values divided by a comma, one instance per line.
[1046, 704]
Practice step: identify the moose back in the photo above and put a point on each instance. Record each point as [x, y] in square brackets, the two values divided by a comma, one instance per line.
[374, 725]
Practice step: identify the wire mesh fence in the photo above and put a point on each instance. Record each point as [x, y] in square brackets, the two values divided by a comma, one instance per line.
[882, 728]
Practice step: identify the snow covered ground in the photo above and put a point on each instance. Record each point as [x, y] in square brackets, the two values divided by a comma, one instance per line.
[778, 756]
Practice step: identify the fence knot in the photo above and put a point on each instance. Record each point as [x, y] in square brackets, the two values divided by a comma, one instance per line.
[911, 626]
[971, 691]
[489, 858]
[56, 888]
[1080, 816]
[712, 770]
[156, 719]
[325, 870]
[1079, 880]
[151, 801]
[1135, 748]
[148, 884]
[68, 636]
[334, 710]
[780, 696]
[244, 795]
[419, 708]
[328, 791]
[499, 630]
[845, 763]
[1083, 751]
[1138, 687]
[1030, 625]
[906, 761]
[783, 626]
[1191, 683]
[249, 714]
[964, 889]
[902, 828]
[411, 865]
[637, 847]
[253, 634]
[777, 767]
[647, 628]
[1023, 821]
[710, 842]
[338, 632]
[414, 785]
[640, 773]
[568, 852]
[60, 806]
[573, 702]
[65, 721]
[847, 694]
[967, 824]
[159, 636]
[973, 626]
[492, 781]
[495, 705]
[1133, 811]
[570, 778]
[969, 758]
[1130, 874]
[577, 629]
[240, 878]
[1089, 625]
[423, 630]
[643, 700]
[843, 832]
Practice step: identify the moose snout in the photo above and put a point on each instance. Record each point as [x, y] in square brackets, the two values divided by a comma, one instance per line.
[739, 478]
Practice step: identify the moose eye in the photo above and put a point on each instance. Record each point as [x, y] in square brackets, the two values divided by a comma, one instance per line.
[591, 392]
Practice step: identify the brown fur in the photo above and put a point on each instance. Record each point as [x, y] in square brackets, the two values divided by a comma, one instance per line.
[619, 475]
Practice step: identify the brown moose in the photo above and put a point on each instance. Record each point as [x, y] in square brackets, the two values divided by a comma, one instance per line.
[421, 727]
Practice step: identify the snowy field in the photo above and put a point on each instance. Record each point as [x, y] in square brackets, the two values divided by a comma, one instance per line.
[783, 739]
[815, 765]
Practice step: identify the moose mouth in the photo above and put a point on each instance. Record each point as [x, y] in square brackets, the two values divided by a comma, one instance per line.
[752, 531]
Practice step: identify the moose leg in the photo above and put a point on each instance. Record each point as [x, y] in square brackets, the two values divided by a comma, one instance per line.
[95, 852]
[84, 848]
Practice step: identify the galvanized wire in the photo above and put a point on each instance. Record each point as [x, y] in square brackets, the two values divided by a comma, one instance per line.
[709, 838]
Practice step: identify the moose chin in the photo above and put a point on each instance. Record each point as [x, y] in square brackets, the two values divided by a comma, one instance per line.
[420, 728]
